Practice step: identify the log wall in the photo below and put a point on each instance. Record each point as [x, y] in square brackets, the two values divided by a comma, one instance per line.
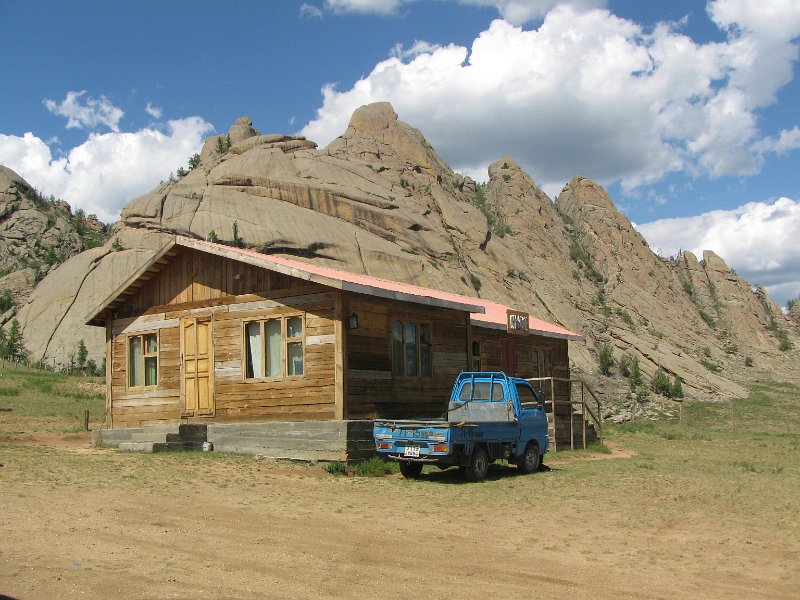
[371, 391]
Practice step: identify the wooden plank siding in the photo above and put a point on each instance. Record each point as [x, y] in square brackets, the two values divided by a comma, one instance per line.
[371, 389]
[536, 356]
[202, 286]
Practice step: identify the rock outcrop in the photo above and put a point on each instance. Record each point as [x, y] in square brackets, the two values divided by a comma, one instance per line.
[37, 234]
[379, 200]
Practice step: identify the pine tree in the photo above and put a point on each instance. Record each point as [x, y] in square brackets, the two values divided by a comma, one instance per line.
[14, 346]
[82, 354]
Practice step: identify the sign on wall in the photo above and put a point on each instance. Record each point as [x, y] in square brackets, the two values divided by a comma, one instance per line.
[517, 322]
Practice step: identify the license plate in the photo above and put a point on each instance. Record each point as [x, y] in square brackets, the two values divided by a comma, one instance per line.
[411, 451]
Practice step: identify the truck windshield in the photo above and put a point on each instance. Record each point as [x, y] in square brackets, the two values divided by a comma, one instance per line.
[484, 391]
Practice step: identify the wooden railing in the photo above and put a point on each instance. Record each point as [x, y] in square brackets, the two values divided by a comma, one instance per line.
[595, 415]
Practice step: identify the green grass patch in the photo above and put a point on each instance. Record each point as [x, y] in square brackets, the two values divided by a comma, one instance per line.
[375, 467]
[54, 401]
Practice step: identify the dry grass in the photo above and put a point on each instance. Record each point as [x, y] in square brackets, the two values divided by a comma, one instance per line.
[697, 510]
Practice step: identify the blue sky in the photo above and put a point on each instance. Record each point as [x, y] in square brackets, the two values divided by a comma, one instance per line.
[685, 110]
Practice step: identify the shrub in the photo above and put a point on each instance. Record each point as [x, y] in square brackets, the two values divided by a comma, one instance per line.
[223, 144]
[503, 230]
[194, 160]
[237, 240]
[784, 343]
[605, 358]
[116, 245]
[748, 361]
[212, 236]
[713, 367]
[337, 467]
[476, 282]
[626, 317]
[677, 388]
[625, 365]
[6, 301]
[661, 383]
[710, 321]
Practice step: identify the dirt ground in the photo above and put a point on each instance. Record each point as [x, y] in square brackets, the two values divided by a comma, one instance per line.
[84, 522]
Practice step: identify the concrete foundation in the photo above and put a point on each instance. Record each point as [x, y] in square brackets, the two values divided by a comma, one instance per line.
[299, 440]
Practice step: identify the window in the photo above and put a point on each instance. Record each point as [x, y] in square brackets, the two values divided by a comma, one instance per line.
[476, 355]
[482, 391]
[527, 397]
[412, 354]
[143, 360]
[274, 348]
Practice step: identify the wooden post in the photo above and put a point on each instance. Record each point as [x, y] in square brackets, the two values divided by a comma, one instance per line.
[733, 408]
[553, 407]
[571, 423]
[583, 415]
[633, 412]
[86, 420]
[339, 356]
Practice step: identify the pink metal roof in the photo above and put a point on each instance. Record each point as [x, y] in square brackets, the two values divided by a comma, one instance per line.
[482, 312]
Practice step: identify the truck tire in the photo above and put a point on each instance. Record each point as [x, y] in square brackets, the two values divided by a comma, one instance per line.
[478, 467]
[530, 459]
[410, 470]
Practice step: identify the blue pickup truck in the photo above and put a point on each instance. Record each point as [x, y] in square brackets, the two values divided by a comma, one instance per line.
[490, 416]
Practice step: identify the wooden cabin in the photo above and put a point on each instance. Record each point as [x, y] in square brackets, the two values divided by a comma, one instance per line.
[274, 356]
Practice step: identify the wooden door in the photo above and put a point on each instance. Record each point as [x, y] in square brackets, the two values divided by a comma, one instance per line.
[508, 356]
[197, 376]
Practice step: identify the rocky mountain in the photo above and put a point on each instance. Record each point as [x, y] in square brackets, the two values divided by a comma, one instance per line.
[36, 235]
[379, 200]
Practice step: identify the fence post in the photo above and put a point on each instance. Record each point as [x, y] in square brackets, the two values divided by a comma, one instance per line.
[86, 420]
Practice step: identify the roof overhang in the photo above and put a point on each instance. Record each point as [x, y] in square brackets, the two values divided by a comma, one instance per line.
[333, 278]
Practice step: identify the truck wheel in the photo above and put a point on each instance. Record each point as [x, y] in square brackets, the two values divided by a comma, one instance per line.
[529, 461]
[478, 467]
[410, 470]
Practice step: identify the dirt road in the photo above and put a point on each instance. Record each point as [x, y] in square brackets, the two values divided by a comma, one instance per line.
[79, 522]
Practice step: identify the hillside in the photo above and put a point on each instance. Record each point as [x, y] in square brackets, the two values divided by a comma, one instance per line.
[379, 200]
[36, 235]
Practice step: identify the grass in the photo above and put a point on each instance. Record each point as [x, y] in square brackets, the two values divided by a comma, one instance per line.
[48, 401]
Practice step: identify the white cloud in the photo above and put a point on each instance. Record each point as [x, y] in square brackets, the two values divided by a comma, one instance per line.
[381, 7]
[759, 240]
[153, 111]
[107, 170]
[519, 12]
[87, 115]
[516, 12]
[417, 48]
[310, 11]
[588, 93]
[787, 140]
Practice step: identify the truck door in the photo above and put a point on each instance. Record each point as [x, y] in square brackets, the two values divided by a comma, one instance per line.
[532, 418]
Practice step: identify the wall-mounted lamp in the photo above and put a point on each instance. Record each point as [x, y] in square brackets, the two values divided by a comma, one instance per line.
[352, 321]
[237, 276]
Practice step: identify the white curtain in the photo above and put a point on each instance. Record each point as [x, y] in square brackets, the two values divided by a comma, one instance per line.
[274, 348]
[254, 350]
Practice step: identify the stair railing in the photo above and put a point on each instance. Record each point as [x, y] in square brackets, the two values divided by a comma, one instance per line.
[584, 404]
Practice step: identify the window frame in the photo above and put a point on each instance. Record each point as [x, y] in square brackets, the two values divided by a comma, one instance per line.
[145, 355]
[285, 340]
[400, 361]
